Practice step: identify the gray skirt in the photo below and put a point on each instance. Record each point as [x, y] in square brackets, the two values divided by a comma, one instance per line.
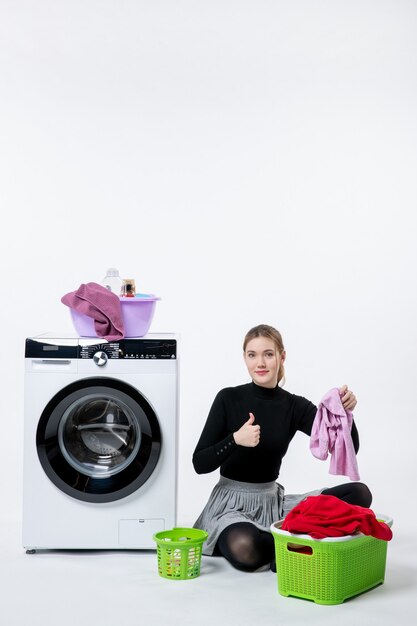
[232, 501]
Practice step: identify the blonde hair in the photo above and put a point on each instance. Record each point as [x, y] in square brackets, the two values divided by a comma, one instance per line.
[263, 330]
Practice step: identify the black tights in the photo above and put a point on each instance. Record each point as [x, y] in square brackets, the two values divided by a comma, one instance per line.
[247, 548]
[352, 493]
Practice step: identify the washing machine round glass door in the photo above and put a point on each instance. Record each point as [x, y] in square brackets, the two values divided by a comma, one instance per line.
[98, 440]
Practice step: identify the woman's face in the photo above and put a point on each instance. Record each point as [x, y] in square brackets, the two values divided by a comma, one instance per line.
[263, 361]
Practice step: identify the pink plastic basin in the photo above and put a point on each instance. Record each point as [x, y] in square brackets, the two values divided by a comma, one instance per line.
[137, 317]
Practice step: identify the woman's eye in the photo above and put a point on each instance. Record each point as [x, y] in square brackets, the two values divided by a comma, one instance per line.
[270, 355]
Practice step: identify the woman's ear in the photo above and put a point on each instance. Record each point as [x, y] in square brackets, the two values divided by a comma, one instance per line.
[283, 356]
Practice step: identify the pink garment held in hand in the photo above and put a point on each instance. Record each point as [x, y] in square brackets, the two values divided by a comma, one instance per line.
[331, 433]
[102, 305]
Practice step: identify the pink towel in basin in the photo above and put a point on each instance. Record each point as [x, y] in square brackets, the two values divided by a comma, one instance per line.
[102, 305]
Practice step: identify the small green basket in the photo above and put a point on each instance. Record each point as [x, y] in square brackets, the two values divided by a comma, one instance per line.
[331, 570]
[179, 552]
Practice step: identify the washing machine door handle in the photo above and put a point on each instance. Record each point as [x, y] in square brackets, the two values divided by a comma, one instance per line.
[100, 358]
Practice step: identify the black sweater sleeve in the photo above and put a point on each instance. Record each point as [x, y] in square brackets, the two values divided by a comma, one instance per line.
[216, 443]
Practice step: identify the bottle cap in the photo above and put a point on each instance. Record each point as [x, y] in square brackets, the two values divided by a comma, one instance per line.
[112, 272]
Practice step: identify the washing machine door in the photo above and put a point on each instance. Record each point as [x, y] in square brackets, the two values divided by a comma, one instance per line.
[98, 440]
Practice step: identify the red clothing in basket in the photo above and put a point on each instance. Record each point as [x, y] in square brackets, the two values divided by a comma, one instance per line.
[327, 516]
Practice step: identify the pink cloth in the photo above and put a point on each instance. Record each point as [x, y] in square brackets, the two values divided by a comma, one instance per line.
[331, 432]
[102, 305]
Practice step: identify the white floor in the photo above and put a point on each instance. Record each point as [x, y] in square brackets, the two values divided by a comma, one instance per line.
[112, 588]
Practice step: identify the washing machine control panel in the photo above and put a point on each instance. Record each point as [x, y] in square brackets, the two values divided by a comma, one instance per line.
[101, 351]
[130, 349]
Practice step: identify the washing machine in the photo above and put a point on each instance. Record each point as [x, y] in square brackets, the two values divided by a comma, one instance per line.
[100, 441]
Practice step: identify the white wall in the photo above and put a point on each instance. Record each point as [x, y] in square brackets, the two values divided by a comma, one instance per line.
[248, 161]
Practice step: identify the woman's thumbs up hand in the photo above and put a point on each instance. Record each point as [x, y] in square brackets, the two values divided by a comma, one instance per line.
[248, 435]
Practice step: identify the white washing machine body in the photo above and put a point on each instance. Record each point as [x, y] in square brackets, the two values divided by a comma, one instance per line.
[100, 442]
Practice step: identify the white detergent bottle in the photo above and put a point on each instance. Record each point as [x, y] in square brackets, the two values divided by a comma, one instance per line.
[112, 281]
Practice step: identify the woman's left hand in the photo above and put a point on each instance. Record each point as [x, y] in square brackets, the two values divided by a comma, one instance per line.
[348, 398]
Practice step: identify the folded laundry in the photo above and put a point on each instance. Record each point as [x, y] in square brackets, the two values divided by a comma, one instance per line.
[327, 516]
[331, 432]
[102, 305]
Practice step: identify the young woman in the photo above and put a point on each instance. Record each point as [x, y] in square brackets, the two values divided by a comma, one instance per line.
[247, 433]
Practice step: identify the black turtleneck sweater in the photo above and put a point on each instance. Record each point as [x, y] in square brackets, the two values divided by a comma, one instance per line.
[279, 413]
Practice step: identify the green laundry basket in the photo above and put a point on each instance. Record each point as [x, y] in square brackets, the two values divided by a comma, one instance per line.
[179, 552]
[331, 570]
